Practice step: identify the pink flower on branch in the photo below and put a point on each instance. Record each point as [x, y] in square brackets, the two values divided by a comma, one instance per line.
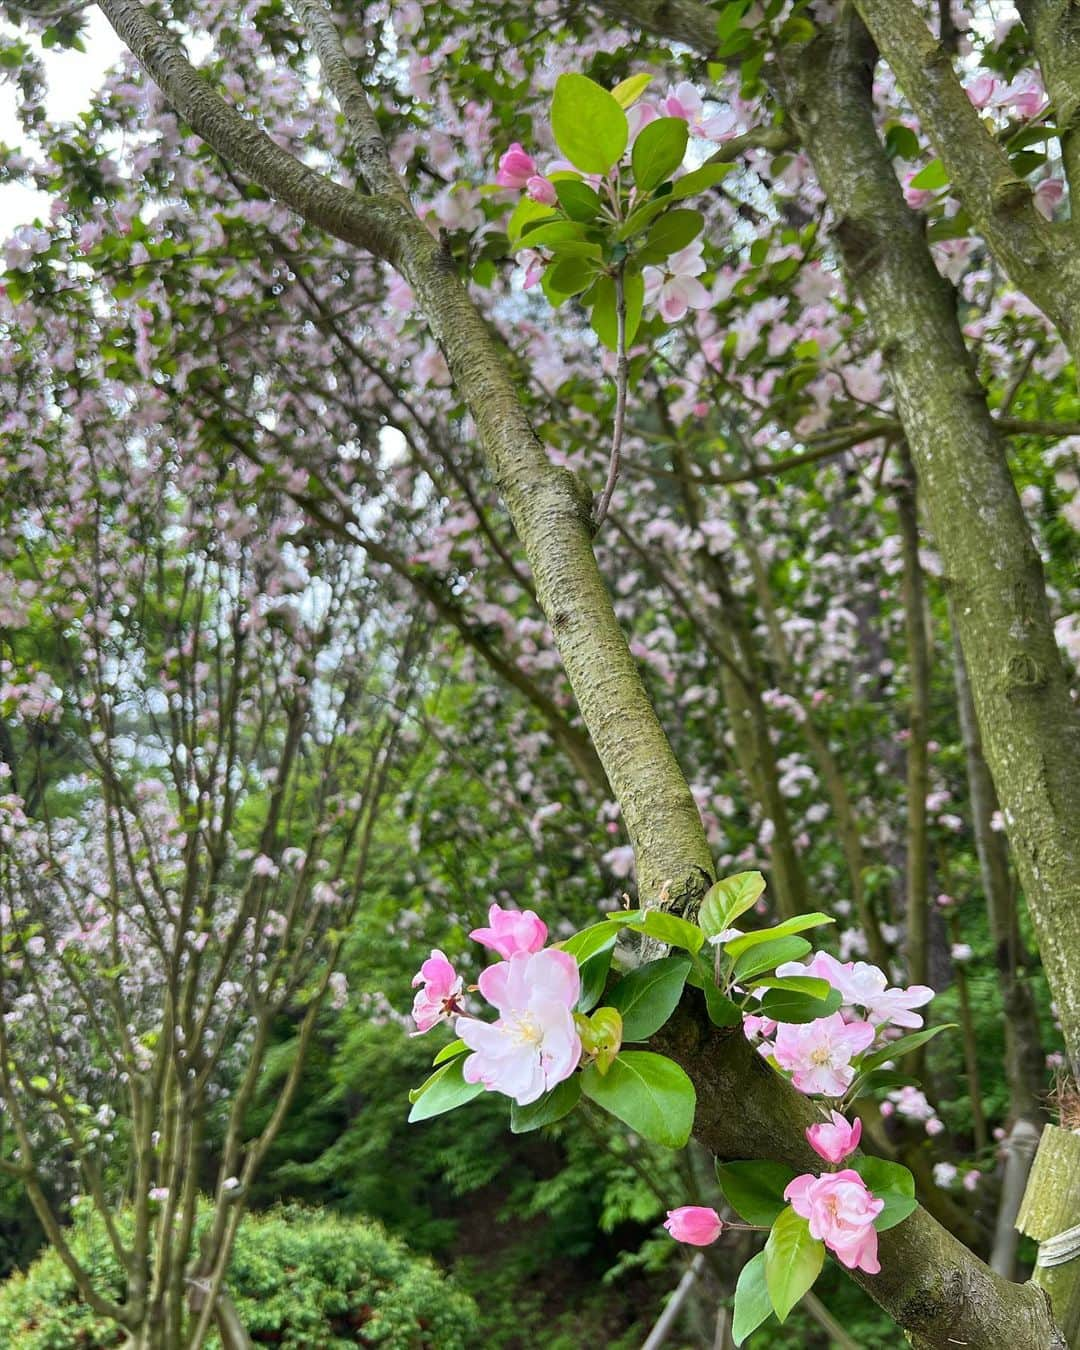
[534, 1044]
[515, 167]
[512, 931]
[841, 1213]
[676, 286]
[819, 1054]
[542, 190]
[694, 1224]
[440, 997]
[834, 1139]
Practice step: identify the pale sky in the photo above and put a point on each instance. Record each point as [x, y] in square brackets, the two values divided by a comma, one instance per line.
[73, 78]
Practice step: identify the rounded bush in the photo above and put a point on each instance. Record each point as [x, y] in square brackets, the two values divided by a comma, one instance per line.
[301, 1279]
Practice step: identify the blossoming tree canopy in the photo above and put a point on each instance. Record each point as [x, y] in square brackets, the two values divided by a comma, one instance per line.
[660, 418]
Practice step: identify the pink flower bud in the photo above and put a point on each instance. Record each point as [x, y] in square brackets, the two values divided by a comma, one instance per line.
[934, 1126]
[440, 996]
[695, 1224]
[515, 167]
[511, 931]
[835, 1139]
[542, 190]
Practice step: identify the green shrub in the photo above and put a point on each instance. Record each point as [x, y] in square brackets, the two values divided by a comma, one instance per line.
[301, 1280]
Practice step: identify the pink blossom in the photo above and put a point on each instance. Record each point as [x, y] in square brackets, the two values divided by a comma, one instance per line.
[982, 89]
[695, 1224]
[1047, 195]
[833, 1140]
[684, 101]
[515, 167]
[841, 1213]
[753, 1025]
[639, 116]
[971, 1180]
[1025, 96]
[915, 197]
[534, 1044]
[439, 999]
[542, 190]
[866, 986]
[675, 285]
[512, 931]
[934, 1126]
[533, 263]
[819, 1054]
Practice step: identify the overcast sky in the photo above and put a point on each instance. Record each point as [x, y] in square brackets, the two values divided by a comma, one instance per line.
[73, 77]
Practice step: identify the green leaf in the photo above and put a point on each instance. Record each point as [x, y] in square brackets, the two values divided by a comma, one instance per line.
[769, 955]
[622, 917]
[901, 142]
[752, 1302]
[671, 929]
[594, 973]
[604, 319]
[798, 924]
[527, 212]
[643, 215]
[648, 995]
[598, 937]
[449, 1052]
[904, 1046]
[671, 233]
[658, 151]
[571, 276]
[755, 1190]
[797, 984]
[578, 199]
[549, 1108]
[784, 1005]
[590, 127]
[699, 180]
[723, 1012]
[727, 899]
[627, 92]
[648, 1092]
[793, 1261]
[892, 1183]
[932, 177]
[443, 1091]
[564, 237]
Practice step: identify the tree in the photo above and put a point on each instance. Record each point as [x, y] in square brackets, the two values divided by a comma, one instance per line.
[801, 87]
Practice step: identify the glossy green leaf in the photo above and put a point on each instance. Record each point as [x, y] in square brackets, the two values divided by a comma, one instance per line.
[932, 177]
[752, 1302]
[570, 276]
[589, 126]
[727, 899]
[627, 92]
[793, 1261]
[671, 929]
[549, 1108]
[598, 937]
[649, 995]
[786, 1005]
[769, 955]
[799, 924]
[699, 180]
[658, 151]
[797, 984]
[449, 1052]
[445, 1090]
[527, 212]
[594, 977]
[891, 1182]
[578, 199]
[671, 233]
[648, 1092]
[755, 1190]
[896, 1050]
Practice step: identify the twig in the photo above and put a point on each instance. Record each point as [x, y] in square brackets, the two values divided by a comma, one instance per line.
[622, 371]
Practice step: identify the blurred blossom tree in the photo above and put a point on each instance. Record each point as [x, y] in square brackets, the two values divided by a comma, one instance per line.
[689, 390]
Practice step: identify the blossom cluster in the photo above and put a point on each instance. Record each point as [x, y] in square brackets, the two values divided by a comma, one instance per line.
[839, 1207]
[534, 1043]
[819, 1054]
